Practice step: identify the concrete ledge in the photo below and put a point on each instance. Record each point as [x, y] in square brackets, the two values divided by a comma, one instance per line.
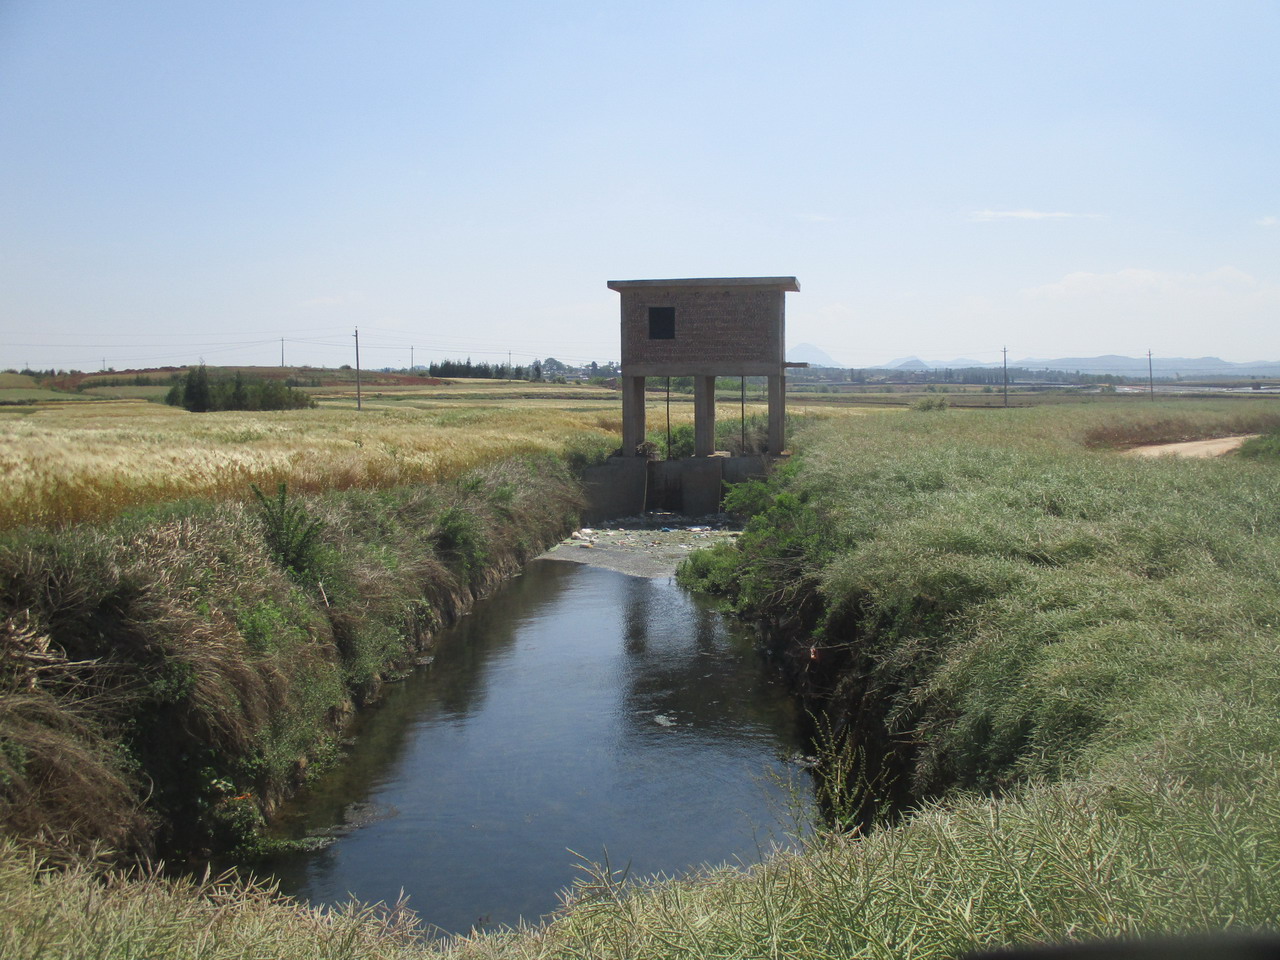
[616, 488]
[741, 469]
[692, 486]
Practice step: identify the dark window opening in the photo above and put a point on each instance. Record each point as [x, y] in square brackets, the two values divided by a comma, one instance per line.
[662, 323]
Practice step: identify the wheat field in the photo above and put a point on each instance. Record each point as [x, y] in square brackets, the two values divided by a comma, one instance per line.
[86, 461]
[68, 462]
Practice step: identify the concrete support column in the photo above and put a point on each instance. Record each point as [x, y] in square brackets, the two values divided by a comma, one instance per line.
[777, 413]
[704, 416]
[632, 414]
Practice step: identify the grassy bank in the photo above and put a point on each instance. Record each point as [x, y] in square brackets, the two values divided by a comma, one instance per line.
[1000, 611]
[1016, 606]
[165, 679]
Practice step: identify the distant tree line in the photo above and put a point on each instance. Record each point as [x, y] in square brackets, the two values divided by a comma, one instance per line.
[466, 369]
[201, 393]
[136, 380]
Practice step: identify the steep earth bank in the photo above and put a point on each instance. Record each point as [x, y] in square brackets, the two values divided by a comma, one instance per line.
[166, 679]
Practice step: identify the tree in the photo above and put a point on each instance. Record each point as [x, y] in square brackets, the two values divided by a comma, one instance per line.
[239, 394]
[196, 396]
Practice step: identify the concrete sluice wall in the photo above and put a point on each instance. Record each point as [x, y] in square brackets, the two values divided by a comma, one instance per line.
[693, 486]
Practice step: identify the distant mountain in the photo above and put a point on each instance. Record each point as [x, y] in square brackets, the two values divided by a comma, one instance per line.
[808, 353]
[1112, 364]
[1161, 366]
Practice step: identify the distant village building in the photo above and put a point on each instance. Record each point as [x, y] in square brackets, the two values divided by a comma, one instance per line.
[703, 328]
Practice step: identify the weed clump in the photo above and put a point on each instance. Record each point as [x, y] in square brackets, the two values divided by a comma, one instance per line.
[289, 531]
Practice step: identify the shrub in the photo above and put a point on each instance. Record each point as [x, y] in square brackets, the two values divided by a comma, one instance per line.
[927, 404]
[288, 530]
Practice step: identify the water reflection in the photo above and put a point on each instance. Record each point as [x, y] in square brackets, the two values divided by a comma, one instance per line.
[578, 709]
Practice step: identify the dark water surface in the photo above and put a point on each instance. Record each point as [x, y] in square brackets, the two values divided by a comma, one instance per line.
[576, 710]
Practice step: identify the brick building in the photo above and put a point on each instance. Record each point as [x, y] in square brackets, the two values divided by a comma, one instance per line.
[703, 328]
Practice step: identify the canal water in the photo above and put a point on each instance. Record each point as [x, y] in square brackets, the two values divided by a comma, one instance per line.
[579, 712]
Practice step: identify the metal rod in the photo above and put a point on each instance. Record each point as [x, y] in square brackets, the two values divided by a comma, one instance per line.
[668, 418]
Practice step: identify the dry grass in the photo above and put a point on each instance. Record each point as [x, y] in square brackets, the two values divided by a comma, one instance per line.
[93, 460]
[473, 390]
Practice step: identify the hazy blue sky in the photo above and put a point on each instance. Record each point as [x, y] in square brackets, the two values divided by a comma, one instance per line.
[199, 179]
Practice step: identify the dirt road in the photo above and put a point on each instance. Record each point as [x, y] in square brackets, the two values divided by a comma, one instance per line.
[1192, 448]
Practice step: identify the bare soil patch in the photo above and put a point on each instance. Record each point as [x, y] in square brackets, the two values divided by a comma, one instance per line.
[1193, 448]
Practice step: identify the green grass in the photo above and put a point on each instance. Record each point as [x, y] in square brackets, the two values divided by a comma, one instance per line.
[1265, 447]
[1007, 612]
[152, 392]
[33, 394]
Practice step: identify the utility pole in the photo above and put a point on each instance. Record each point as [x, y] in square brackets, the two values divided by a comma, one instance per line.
[1151, 377]
[411, 358]
[1005, 351]
[282, 353]
[359, 405]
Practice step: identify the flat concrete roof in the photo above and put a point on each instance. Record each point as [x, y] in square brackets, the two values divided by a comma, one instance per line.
[789, 284]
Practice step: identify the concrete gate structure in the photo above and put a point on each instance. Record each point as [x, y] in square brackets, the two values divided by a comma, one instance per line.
[703, 328]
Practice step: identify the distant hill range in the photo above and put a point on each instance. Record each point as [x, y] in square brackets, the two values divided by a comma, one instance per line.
[808, 353]
[1119, 366]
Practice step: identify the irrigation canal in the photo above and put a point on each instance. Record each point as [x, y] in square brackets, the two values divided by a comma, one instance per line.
[577, 710]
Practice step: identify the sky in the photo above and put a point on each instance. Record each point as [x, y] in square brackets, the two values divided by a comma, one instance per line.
[219, 181]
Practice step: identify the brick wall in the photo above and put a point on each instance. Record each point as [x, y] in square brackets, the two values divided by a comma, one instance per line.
[723, 325]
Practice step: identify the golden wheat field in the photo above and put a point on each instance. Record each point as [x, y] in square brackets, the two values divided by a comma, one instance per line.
[85, 461]
[68, 462]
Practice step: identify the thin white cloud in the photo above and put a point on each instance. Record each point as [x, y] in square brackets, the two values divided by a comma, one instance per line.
[1133, 282]
[984, 216]
[815, 218]
[1268, 222]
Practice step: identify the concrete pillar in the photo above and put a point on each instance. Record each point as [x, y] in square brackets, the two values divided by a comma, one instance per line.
[704, 416]
[777, 413]
[632, 414]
